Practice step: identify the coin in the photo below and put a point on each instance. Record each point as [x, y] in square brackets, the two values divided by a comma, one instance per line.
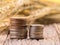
[18, 21]
[36, 31]
[19, 34]
[18, 27]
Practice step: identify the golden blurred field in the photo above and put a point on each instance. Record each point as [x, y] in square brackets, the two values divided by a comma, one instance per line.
[10, 8]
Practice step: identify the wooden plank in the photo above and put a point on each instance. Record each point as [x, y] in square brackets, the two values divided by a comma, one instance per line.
[50, 38]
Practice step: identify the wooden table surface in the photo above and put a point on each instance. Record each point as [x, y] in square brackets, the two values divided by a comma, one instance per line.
[50, 33]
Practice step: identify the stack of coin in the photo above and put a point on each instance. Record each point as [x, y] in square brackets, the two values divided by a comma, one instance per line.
[36, 31]
[18, 28]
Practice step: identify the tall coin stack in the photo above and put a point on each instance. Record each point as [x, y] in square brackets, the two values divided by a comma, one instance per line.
[18, 28]
[36, 31]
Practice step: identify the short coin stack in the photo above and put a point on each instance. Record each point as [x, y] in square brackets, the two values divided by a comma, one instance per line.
[36, 31]
[18, 28]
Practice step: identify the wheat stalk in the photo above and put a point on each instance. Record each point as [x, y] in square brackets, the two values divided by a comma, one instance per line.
[41, 13]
